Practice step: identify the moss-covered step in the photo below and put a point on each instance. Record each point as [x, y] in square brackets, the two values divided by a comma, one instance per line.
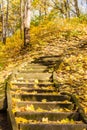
[34, 70]
[46, 126]
[33, 90]
[46, 105]
[48, 60]
[31, 84]
[28, 76]
[32, 81]
[35, 66]
[38, 116]
[40, 97]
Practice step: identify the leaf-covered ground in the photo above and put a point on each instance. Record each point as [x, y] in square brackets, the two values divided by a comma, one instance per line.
[72, 71]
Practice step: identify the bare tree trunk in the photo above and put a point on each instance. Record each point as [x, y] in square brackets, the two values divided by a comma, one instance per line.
[21, 18]
[27, 20]
[7, 14]
[45, 8]
[0, 23]
[68, 8]
[77, 8]
[68, 4]
[40, 13]
[3, 25]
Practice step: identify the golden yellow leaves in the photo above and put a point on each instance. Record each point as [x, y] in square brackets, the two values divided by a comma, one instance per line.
[44, 100]
[66, 121]
[68, 68]
[30, 108]
[14, 100]
[45, 120]
[36, 81]
[21, 120]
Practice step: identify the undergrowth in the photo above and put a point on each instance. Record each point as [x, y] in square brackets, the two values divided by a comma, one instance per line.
[47, 31]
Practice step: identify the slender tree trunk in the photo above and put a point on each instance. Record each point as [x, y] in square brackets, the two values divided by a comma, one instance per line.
[0, 22]
[3, 25]
[68, 8]
[77, 8]
[45, 8]
[40, 13]
[21, 18]
[27, 20]
[7, 14]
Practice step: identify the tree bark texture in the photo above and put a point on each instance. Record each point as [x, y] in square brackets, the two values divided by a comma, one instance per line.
[27, 21]
[3, 25]
[77, 8]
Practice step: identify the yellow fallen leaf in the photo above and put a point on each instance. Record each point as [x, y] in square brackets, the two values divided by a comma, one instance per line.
[20, 119]
[36, 81]
[44, 100]
[30, 108]
[67, 67]
[45, 119]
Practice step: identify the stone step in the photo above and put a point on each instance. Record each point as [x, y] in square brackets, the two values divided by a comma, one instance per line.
[34, 70]
[50, 60]
[36, 76]
[46, 105]
[51, 126]
[31, 81]
[40, 97]
[31, 90]
[32, 84]
[52, 116]
[35, 66]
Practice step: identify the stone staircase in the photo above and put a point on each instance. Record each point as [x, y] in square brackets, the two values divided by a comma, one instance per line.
[35, 104]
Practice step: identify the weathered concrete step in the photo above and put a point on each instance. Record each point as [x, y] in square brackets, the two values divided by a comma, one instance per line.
[46, 105]
[51, 126]
[30, 90]
[49, 63]
[48, 60]
[35, 70]
[39, 76]
[32, 81]
[52, 116]
[32, 84]
[40, 97]
[35, 66]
